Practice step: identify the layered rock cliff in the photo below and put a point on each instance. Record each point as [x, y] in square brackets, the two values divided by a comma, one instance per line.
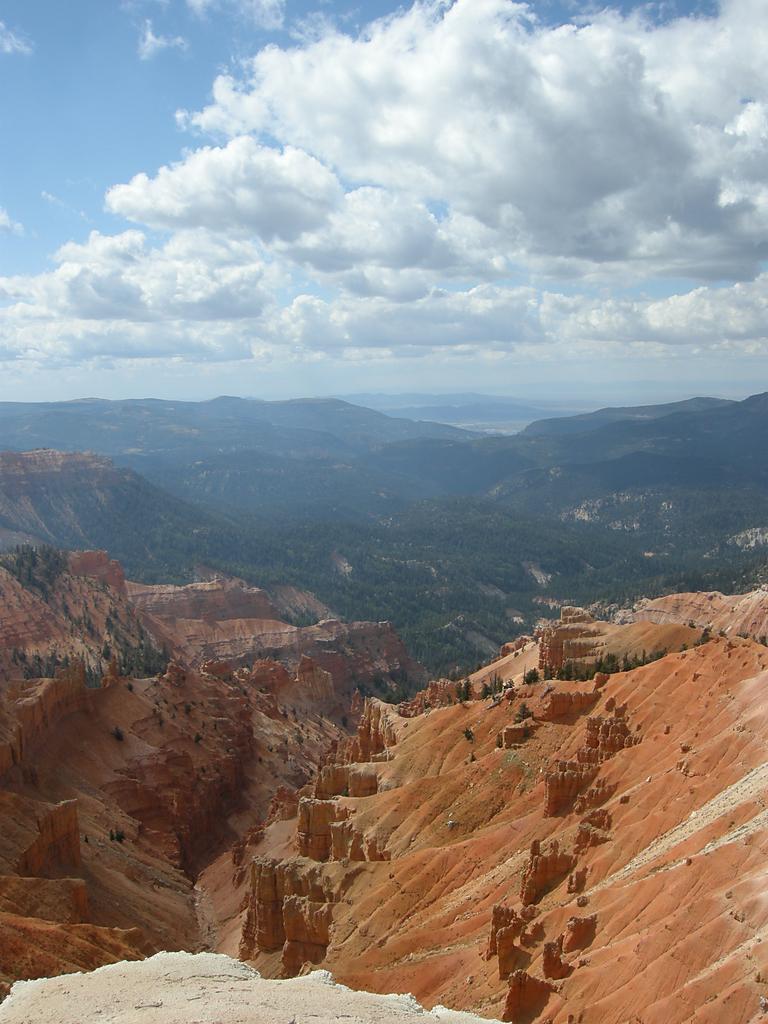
[735, 614]
[224, 619]
[611, 857]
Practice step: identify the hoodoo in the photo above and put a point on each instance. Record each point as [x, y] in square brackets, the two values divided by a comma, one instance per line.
[532, 831]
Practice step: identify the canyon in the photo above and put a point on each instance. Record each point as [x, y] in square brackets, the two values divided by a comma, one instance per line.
[520, 845]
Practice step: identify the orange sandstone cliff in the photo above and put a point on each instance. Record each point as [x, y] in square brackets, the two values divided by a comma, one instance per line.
[606, 864]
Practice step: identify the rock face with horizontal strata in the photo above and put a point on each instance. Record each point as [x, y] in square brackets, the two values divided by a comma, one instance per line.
[346, 780]
[570, 639]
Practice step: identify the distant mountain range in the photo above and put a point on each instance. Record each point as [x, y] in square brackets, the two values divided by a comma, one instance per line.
[459, 539]
[314, 426]
[469, 410]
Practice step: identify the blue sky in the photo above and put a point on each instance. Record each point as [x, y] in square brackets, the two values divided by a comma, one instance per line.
[273, 198]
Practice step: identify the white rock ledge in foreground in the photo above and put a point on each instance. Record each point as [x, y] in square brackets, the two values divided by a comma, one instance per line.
[206, 988]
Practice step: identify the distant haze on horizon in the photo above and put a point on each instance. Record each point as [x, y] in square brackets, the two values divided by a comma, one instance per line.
[286, 198]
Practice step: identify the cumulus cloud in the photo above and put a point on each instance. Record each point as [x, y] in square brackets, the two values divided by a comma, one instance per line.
[151, 44]
[615, 142]
[492, 318]
[11, 42]
[202, 298]
[192, 277]
[243, 187]
[268, 14]
[428, 185]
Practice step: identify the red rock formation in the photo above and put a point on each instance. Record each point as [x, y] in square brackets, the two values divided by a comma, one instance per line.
[57, 899]
[98, 566]
[579, 933]
[313, 831]
[526, 998]
[349, 843]
[552, 963]
[514, 646]
[507, 926]
[375, 734]
[592, 830]
[564, 783]
[736, 614]
[56, 849]
[515, 735]
[315, 683]
[346, 780]
[307, 925]
[41, 627]
[565, 704]
[437, 694]
[224, 619]
[289, 908]
[223, 670]
[604, 737]
[544, 870]
[39, 705]
[283, 806]
[574, 637]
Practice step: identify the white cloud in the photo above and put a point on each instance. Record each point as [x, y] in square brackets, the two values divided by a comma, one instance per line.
[7, 225]
[10, 42]
[206, 299]
[193, 277]
[490, 318]
[243, 187]
[426, 186]
[268, 14]
[150, 44]
[616, 143]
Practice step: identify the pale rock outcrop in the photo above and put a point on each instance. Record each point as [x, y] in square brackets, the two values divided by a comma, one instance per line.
[176, 988]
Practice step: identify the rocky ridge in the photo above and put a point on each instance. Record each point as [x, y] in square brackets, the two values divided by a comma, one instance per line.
[220, 991]
[553, 851]
[118, 787]
[736, 614]
[586, 866]
[225, 619]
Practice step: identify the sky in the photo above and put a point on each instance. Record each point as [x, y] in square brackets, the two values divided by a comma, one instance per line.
[296, 197]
